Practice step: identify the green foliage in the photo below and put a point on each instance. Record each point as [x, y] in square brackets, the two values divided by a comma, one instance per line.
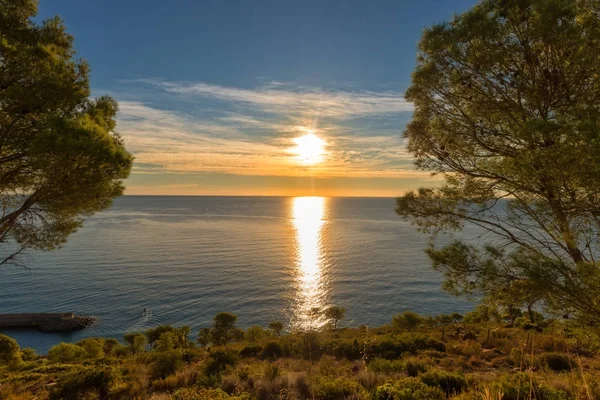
[411, 343]
[407, 320]
[109, 344]
[29, 354]
[9, 350]
[85, 383]
[119, 351]
[336, 388]
[66, 353]
[450, 383]
[204, 337]
[556, 362]
[250, 351]
[166, 363]
[166, 342]
[414, 367]
[382, 365]
[206, 394]
[61, 159]
[94, 347]
[219, 361]
[223, 325]
[335, 314]
[497, 115]
[137, 342]
[276, 327]
[349, 349]
[271, 351]
[408, 389]
[154, 334]
[520, 385]
[254, 333]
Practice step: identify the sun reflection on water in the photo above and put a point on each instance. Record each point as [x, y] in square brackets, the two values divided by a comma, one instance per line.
[307, 217]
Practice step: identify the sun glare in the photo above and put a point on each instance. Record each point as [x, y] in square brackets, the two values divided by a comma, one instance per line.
[309, 148]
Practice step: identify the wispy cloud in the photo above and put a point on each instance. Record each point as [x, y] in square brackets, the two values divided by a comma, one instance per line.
[182, 128]
[282, 97]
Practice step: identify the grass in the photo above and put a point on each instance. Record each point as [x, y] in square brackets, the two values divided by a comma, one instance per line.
[425, 362]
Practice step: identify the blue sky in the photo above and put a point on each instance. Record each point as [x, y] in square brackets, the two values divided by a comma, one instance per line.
[213, 93]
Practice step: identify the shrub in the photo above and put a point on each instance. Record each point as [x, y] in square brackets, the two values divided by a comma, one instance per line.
[87, 382]
[137, 342]
[406, 344]
[250, 351]
[408, 389]
[276, 327]
[414, 366]
[272, 351]
[166, 363]
[29, 354]
[206, 394]
[450, 383]
[272, 371]
[349, 350]
[66, 353]
[10, 351]
[555, 361]
[154, 334]
[219, 361]
[517, 386]
[336, 388]
[407, 320]
[254, 333]
[109, 344]
[120, 351]
[94, 347]
[166, 342]
[381, 365]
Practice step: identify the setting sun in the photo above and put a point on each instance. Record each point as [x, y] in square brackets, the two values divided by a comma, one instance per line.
[309, 148]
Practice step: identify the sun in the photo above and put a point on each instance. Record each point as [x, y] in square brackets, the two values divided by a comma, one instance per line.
[309, 148]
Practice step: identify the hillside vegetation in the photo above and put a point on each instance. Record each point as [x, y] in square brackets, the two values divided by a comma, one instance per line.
[479, 356]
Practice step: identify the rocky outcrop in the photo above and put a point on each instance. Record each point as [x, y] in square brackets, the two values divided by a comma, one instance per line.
[65, 322]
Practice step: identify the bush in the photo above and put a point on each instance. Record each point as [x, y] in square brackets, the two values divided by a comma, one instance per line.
[555, 361]
[206, 394]
[29, 354]
[414, 367]
[120, 351]
[66, 353]
[109, 344]
[219, 361]
[517, 386]
[137, 342]
[272, 351]
[450, 383]
[381, 365]
[254, 333]
[408, 389]
[250, 351]
[349, 350]
[166, 363]
[10, 351]
[87, 382]
[336, 388]
[407, 344]
[94, 347]
[408, 320]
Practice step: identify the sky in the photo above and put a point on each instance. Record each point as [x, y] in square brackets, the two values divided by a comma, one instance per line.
[213, 95]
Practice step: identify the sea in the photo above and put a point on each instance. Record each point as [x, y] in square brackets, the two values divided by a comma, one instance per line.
[179, 260]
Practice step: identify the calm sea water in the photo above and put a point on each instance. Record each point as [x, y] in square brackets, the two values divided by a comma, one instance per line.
[184, 259]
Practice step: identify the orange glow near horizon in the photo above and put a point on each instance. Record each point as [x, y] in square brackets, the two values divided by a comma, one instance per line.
[307, 217]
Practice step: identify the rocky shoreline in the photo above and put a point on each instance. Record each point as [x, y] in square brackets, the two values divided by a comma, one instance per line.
[60, 322]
